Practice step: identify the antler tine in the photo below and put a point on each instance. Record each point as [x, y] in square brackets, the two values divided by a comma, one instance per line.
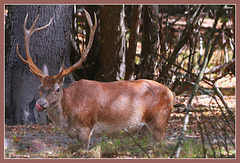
[60, 73]
[27, 35]
[40, 28]
[32, 30]
[26, 62]
[92, 31]
[84, 56]
[19, 55]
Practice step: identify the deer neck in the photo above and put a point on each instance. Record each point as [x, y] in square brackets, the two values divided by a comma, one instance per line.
[55, 113]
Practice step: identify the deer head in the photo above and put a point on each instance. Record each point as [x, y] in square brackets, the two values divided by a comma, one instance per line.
[51, 88]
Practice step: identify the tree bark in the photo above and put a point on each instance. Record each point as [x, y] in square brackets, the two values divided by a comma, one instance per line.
[149, 43]
[50, 46]
[131, 53]
[111, 61]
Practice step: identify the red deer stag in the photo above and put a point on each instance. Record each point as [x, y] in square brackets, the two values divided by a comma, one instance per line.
[89, 108]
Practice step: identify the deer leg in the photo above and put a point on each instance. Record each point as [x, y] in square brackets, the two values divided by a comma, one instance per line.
[84, 137]
[158, 133]
[159, 125]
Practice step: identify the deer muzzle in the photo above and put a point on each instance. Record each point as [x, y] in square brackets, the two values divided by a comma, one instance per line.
[42, 105]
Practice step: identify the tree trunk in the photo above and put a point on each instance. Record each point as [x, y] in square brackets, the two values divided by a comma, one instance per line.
[131, 53]
[149, 43]
[50, 46]
[111, 62]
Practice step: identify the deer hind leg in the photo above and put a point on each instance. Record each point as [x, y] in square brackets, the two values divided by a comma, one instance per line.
[158, 124]
[84, 137]
[158, 132]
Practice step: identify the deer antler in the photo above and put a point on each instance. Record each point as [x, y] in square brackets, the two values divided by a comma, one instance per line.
[65, 72]
[33, 68]
[27, 35]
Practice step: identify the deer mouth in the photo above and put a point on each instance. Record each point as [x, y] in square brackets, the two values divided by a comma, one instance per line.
[40, 108]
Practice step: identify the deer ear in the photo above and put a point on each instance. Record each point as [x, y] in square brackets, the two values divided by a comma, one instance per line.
[45, 70]
[61, 68]
[61, 78]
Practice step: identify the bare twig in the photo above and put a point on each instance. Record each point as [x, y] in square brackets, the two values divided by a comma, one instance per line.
[184, 37]
[227, 123]
[219, 94]
[216, 134]
[208, 138]
[201, 132]
[226, 119]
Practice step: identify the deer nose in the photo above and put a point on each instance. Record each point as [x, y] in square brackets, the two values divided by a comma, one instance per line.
[41, 104]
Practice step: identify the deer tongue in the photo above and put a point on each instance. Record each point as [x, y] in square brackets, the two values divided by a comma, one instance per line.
[39, 108]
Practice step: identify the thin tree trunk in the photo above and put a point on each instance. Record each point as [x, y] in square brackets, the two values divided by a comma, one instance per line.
[149, 43]
[131, 53]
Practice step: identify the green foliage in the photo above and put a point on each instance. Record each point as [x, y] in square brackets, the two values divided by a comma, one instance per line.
[224, 18]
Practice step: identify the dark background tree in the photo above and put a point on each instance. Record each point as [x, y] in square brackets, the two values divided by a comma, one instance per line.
[134, 32]
[80, 28]
[50, 46]
[111, 58]
[150, 40]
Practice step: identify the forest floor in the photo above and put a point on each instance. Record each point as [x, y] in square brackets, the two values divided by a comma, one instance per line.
[47, 141]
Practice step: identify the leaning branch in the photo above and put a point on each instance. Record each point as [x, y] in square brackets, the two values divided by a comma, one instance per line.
[224, 67]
